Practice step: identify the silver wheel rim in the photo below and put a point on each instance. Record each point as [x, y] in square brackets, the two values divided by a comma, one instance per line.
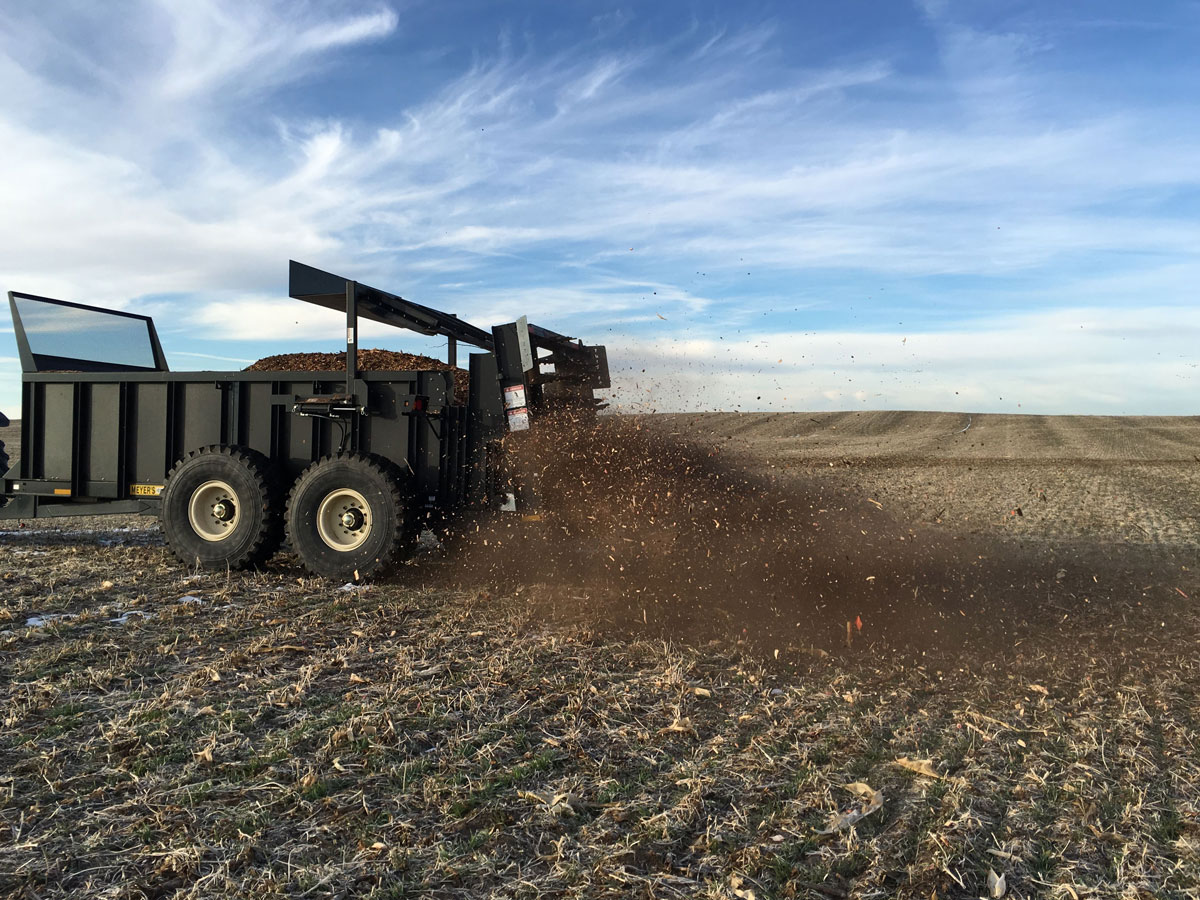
[344, 520]
[214, 510]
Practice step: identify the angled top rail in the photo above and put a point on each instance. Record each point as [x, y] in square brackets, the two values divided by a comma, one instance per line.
[324, 289]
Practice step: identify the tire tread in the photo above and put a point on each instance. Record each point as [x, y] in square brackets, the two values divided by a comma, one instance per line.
[270, 536]
[391, 552]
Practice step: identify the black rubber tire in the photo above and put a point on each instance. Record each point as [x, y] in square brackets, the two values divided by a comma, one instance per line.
[380, 487]
[258, 530]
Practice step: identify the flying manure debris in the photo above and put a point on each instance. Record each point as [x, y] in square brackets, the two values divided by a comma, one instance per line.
[643, 530]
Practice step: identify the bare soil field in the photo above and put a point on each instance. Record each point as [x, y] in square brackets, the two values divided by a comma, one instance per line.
[827, 655]
[1131, 479]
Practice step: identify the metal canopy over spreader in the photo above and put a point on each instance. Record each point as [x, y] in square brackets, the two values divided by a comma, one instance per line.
[348, 467]
[342, 294]
[536, 365]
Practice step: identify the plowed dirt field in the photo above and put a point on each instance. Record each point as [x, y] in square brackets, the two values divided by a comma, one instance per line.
[773, 656]
[1121, 479]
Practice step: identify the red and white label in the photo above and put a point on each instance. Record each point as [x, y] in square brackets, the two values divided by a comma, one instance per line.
[518, 419]
[514, 397]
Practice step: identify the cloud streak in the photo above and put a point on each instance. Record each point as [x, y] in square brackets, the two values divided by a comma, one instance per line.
[228, 47]
[710, 173]
[1037, 363]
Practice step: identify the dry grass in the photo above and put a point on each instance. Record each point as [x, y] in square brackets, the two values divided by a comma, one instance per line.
[269, 735]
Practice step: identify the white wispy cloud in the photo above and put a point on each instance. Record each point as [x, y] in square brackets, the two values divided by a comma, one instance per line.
[586, 87]
[217, 45]
[482, 168]
[611, 180]
[1096, 359]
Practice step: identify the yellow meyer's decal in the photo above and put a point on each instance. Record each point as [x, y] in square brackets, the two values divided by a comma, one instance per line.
[145, 490]
[62, 492]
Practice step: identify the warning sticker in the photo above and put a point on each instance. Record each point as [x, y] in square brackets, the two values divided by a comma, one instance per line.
[518, 419]
[514, 397]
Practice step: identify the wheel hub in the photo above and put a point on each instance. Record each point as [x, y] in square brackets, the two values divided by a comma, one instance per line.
[213, 510]
[344, 519]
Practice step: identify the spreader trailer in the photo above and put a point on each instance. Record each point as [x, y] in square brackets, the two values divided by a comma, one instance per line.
[348, 466]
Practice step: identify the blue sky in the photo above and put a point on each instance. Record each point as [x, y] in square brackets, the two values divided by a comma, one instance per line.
[978, 206]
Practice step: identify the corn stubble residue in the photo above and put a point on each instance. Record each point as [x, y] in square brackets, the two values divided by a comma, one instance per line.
[646, 532]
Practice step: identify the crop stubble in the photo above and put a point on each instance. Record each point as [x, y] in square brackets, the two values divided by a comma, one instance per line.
[272, 735]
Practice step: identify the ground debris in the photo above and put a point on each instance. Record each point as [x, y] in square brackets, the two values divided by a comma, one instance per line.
[537, 762]
[996, 885]
[870, 801]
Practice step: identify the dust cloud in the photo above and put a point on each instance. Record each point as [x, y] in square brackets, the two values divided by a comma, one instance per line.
[643, 532]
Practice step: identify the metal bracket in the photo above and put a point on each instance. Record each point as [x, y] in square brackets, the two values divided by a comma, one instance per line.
[334, 407]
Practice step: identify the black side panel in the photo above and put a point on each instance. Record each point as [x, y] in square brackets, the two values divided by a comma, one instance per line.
[426, 453]
[387, 431]
[258, 417]
[116, 436]
[300, 438]
[453, 456]
[199, 416]
[99, 457]
[485, 423]
[4, 463]
[54, 452]
[148, 456]
[29, 417]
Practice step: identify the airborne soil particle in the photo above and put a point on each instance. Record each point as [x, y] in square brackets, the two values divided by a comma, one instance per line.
[641, 531]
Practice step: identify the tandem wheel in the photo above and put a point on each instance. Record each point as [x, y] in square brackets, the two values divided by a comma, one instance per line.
[219, 509]
[347, 516]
